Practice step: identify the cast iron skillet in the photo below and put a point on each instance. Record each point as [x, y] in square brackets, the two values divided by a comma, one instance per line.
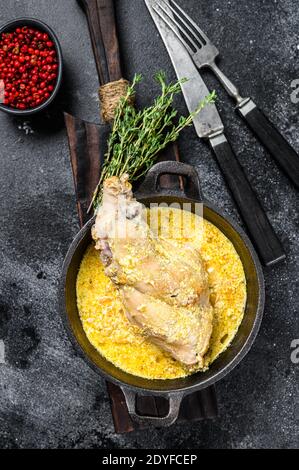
[173, 390]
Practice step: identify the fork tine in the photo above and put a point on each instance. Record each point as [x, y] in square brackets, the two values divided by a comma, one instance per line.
[195, 26]
[185, 44]
[173, 20]
[199, 39]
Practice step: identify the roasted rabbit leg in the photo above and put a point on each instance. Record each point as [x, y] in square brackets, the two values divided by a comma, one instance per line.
[164, 289]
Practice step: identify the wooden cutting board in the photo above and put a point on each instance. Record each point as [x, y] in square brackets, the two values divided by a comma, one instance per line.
[87, 143]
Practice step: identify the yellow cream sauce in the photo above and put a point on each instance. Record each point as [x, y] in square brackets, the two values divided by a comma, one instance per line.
[122, 343]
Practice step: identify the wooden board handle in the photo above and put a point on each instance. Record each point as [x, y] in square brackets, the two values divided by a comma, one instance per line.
[102, 27]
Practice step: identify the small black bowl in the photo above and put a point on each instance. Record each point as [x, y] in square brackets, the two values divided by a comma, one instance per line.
[31, 22]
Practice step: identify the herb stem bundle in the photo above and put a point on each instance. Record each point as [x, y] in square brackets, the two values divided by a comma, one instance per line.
[137, 137]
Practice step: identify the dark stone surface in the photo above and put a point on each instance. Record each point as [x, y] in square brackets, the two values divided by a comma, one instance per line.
[49, 397]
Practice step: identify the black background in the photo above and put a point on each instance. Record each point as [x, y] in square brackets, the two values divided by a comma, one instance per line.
[49, 397]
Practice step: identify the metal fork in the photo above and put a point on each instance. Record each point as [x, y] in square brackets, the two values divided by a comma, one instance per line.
[202, 51]
[204, 54]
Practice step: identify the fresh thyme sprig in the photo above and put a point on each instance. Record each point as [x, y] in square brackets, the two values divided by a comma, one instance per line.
[137, 137]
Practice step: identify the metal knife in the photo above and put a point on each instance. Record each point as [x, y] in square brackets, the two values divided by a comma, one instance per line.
[209, 126]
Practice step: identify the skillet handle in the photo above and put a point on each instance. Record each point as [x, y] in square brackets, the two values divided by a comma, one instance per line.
[175, 400]
[192, 188]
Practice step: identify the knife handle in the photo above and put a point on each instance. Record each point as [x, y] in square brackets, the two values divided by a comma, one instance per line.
[271, 138]
[254, 216]
[102, 27]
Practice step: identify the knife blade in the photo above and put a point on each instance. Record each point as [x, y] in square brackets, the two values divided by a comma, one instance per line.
[209, 126]
[194, 90]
